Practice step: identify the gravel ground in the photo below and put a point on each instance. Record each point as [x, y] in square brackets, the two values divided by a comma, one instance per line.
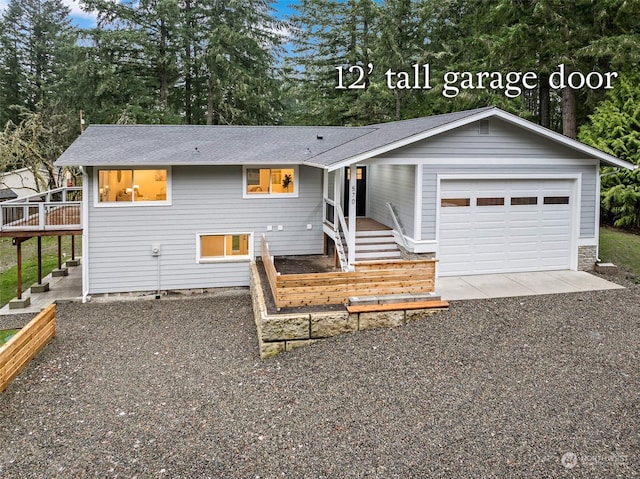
[175, 388]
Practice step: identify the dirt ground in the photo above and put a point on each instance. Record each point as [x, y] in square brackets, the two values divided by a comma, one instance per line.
[305, 264]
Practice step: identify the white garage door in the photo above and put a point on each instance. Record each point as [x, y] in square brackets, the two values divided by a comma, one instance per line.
[498, 226]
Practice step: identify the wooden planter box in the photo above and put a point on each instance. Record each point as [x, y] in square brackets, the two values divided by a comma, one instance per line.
[23, 347]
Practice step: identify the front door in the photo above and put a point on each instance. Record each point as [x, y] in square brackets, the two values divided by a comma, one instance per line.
[361, 194]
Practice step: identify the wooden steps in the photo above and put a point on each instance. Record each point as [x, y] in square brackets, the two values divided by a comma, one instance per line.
[378, 245]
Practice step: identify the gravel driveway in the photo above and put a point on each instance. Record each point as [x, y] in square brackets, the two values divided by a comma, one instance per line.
[544, 386]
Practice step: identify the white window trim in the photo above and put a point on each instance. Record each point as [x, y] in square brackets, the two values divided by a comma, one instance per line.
[130, 204]
[224, 259]
[296, 179]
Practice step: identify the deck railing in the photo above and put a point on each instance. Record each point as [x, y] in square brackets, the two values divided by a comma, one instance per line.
[334, 217]
[58, 209]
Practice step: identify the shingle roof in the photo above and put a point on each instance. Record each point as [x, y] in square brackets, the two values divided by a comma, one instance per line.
[106, 145]
[321, 146]
[7, 194]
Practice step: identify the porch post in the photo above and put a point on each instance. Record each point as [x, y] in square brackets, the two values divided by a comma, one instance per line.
[353, 190]
[337, 194]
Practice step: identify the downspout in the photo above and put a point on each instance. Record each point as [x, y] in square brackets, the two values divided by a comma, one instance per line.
[85, 234]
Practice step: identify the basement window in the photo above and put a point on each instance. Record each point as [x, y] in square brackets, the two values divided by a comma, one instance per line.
[211, 248]
[274, 181]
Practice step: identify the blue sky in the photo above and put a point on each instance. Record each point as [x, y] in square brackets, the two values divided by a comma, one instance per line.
[86, 20]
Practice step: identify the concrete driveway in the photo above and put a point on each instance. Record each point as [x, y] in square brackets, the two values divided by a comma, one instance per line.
[519, 284]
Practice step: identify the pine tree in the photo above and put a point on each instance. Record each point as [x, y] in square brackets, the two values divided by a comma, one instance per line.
[35, 42]
[615, 129]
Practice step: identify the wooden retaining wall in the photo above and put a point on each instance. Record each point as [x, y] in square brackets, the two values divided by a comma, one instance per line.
[369, 279]
[21, 348]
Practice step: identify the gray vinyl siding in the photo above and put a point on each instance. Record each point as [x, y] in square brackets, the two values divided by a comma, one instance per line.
[588, 199]
[394, 184]
[503, 141]
[205, 199]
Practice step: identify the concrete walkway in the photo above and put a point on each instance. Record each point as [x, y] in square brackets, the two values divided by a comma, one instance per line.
[519, 284]
[63, 288]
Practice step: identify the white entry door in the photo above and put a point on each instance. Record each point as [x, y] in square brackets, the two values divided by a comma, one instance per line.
[499, 226]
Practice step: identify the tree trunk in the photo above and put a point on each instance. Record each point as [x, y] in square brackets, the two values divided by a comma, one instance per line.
[544, 98]
[188, 63]
[210, 104]
[569, 113]
[164, 85]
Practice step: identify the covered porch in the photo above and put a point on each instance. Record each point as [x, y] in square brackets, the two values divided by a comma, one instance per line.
[361, 220]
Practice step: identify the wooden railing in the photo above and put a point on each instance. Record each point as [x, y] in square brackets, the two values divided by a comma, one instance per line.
[27, 342]
[369, 279]
[59, 209]
[334, 217]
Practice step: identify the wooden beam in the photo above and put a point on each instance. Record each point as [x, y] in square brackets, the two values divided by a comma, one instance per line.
[33, 233]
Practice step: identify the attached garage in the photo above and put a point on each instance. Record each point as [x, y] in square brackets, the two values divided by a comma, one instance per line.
[506, 225]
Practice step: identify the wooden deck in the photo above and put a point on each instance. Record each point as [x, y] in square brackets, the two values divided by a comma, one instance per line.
[52, 213]
[368, 224]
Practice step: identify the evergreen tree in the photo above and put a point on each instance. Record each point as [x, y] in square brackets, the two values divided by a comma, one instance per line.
[330, 35]
[36, 40]
[615, 129]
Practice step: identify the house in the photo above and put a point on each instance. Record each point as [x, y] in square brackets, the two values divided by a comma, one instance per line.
[483, 191]
[23, 182]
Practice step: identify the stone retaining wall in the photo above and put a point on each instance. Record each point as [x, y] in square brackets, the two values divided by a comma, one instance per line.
[283, 332]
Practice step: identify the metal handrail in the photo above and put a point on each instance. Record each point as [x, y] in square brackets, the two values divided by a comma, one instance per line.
[396, 223]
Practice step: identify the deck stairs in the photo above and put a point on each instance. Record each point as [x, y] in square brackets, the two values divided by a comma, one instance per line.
[377, 245]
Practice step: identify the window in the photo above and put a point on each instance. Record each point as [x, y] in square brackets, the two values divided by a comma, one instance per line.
[223, 247]
[126, 186]
[490, 202]
[271, 181]
[556, 200]
[524, 200]
[452, 202]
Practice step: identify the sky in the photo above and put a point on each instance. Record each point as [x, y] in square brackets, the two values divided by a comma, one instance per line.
[87, 20]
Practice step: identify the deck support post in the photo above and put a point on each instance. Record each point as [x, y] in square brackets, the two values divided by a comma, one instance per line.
[73, 248]
[18, 243]
[19, 302]
[39, 259]
[40, 287]
[60, 271]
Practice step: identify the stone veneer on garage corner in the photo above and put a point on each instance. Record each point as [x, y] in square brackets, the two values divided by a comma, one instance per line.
[283, 332]
[587, 257]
